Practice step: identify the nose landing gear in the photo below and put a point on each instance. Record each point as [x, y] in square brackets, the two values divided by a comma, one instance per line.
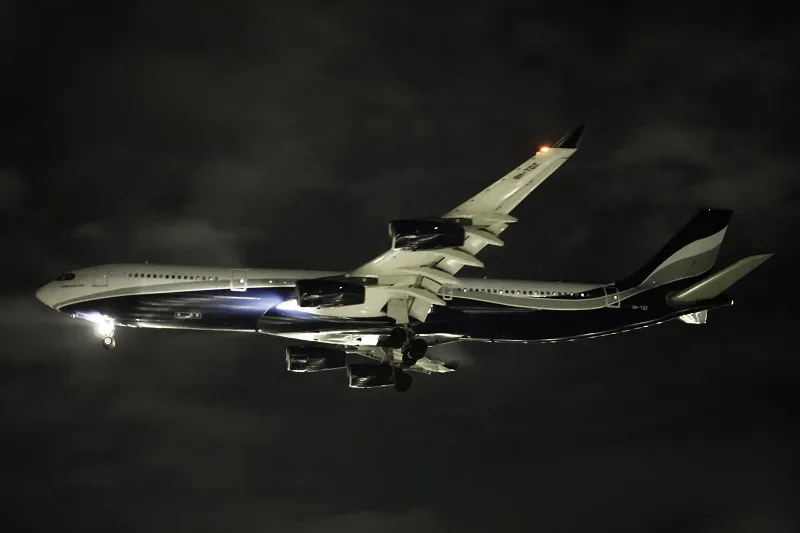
[105, 330]
[109, 343]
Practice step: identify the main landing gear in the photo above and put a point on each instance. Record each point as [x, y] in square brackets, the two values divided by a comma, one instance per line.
[402, 381]
[412, 348]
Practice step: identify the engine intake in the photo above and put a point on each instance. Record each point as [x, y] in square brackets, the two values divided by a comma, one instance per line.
[314, 359]
[366, 376]
[426, 234]
[328, 293]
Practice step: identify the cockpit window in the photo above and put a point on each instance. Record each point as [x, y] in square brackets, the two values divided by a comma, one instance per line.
[66, 277]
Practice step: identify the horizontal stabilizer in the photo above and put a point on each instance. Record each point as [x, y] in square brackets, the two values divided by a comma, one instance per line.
[717, 283]
[698, 317]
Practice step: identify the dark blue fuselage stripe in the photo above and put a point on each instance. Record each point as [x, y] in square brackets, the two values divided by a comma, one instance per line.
[255, 310]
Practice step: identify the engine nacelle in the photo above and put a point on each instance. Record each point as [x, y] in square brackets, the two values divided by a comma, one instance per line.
[314, 358]
[426, 234]
[366, 376]
[328, 293]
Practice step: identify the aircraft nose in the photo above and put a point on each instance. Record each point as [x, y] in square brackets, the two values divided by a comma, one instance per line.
[45, 295]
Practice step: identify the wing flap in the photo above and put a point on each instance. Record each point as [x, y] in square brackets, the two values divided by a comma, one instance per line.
[417, 293]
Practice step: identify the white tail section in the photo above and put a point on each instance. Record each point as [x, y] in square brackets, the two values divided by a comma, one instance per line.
[715, 284]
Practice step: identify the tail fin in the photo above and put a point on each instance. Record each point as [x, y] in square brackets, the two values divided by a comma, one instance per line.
[690, 253]
[717, 283]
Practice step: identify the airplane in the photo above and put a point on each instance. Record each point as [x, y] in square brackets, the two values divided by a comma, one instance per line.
[395, 307]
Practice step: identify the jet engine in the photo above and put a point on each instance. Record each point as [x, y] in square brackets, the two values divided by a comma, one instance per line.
[367, 376]
[328, 293]
[314, 358]
[426, 234]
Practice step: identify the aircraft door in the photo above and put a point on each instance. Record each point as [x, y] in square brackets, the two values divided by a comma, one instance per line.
[238, 280]
[612, 296]
[100, 278]
[447, 292]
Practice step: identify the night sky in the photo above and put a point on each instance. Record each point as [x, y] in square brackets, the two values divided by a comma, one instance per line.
[244, 133]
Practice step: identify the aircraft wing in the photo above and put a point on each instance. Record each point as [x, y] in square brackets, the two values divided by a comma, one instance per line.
[416, 277]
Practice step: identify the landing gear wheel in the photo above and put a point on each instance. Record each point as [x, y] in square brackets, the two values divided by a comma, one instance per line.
[417, 348]
[398, 337]
[402, 382]
[109, 343]
[414, 351]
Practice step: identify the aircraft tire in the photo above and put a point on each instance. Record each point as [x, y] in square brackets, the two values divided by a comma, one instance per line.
[398, 337]
[402, 382]
[417, 348]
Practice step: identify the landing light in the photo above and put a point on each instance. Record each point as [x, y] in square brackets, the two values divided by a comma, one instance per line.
[544, 148]
[104, 329]
[291, 305]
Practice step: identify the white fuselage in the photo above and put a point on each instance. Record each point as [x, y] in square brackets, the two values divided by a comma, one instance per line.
[108, 281]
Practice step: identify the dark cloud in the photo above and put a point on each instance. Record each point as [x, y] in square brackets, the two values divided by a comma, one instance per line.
[11, 195]
[287, 137]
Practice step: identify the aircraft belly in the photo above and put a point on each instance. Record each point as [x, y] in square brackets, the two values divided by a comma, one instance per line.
[492, 323]
[212, 309]
[260, 310]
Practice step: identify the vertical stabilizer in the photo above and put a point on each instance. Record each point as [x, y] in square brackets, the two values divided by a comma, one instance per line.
[690, 253]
